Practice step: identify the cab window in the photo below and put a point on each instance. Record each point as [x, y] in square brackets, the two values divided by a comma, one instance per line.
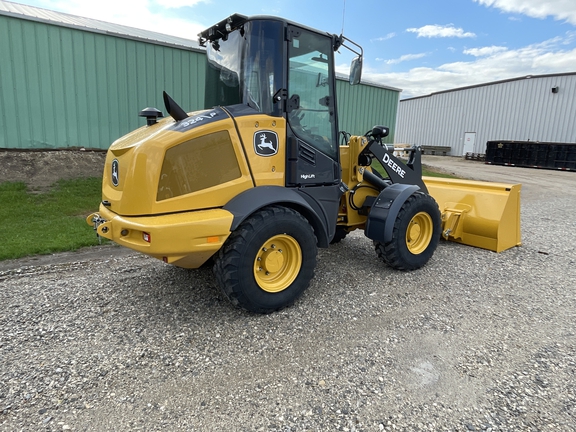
[310, 66]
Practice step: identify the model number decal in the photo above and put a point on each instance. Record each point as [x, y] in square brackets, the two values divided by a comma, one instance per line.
[197, 119]
[193, 120]
[397, 169]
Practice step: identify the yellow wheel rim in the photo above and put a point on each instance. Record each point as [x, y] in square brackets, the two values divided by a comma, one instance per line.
[419, 233]
[277, 263]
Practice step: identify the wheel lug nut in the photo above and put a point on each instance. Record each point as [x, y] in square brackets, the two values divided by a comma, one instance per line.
[267, 273]
[264, 249]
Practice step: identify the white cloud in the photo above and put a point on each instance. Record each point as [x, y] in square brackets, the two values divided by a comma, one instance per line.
[536, 59]
[484, 51]
[406, 57]
[175, 4]
[559, 9]
[133, 13]
[344, 68]
[383, 38]
[435, 30]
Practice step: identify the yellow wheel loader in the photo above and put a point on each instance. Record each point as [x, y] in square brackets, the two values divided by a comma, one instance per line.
[258, 181]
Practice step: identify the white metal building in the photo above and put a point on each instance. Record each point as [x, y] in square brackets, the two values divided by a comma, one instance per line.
[538, 108]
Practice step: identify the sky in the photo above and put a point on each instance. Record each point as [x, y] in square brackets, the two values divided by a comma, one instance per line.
[419, 46]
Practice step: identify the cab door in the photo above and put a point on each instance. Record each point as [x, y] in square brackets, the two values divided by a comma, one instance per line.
[311, 113]
[312, 163]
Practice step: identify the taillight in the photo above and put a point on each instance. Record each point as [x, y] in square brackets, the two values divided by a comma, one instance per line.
[146, 237]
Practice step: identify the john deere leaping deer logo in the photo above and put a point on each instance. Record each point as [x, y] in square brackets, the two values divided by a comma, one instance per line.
[115, 174]
[265, 143]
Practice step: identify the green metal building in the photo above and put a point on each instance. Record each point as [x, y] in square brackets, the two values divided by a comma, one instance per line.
[73, 82]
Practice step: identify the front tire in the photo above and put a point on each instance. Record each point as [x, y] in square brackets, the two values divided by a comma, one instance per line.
[415, 235]
[268, 261]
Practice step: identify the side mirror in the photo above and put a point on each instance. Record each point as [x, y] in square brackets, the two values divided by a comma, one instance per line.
[356, 70]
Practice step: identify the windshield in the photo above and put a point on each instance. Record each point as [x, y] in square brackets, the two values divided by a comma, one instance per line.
[246, 68]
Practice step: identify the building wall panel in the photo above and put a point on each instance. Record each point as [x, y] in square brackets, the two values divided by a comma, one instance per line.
[64, 87]
[521, 109]
[361, 107]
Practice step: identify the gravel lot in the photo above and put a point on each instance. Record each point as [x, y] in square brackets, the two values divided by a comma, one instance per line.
[107, 339]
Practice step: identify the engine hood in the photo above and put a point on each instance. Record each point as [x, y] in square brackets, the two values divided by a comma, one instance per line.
[171, 166]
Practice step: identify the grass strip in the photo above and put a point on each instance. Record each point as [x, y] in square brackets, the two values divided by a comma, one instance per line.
[432, 172]
[49, 222]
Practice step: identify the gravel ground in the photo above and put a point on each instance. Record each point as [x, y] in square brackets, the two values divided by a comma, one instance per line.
[102, 340]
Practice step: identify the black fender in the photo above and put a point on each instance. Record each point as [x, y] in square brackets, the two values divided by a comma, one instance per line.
[385, 209]
[251, 200]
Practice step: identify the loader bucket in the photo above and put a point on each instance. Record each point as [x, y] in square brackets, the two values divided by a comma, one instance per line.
[481, 214]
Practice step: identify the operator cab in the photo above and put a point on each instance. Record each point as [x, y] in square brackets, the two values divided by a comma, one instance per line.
[267, 65]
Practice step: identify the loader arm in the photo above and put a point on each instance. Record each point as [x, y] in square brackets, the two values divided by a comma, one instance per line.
[397, 170]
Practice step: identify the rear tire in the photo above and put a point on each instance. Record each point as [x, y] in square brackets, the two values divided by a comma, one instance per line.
[268, 261]
[415, 235]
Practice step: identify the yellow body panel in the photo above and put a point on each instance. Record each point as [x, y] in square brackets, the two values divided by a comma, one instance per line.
[352, 176]
[349, 160]
[173, 183]
[267, 171]
[185, 239]
[481, 214]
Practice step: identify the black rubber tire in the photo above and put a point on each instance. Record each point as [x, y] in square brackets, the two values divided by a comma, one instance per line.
[234, 266]
[339, 235]
[397, 253]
